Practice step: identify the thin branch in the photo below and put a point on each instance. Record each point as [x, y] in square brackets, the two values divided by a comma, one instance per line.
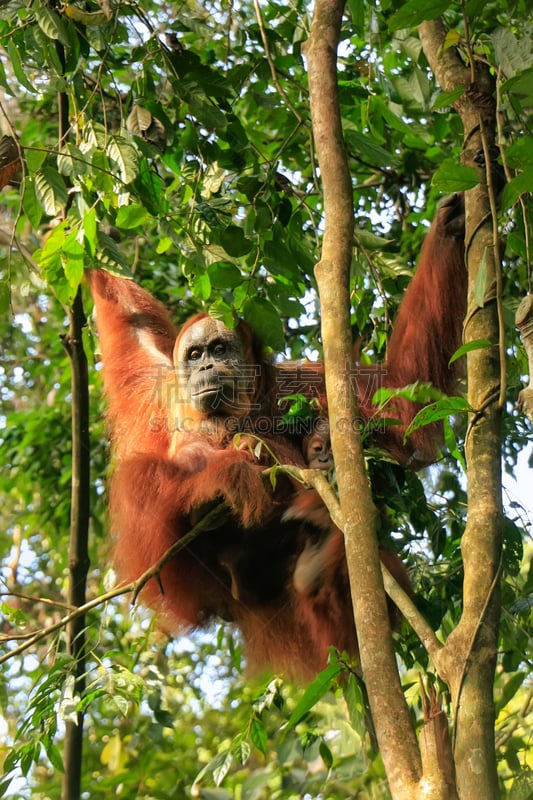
[11, 241]
[413, 616]
[271, 64]
[497, 261]
[135, 587]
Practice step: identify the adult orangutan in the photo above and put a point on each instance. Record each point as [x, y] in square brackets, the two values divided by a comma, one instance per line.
[173, 430]
[176, 403]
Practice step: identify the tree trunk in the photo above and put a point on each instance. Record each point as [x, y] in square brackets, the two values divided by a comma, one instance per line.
[470, 652]
[390, 713]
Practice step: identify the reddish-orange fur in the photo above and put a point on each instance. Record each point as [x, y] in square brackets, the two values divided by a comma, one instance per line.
[321, 580]
[425, 335]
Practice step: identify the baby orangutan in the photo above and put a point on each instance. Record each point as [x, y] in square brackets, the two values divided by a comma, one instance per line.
[320, 578]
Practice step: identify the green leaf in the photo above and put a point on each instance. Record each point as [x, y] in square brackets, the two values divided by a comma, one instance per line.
[477, 344]
[221, 310]
[353, 696]
[50, 191]
[270, 696]
[265, 321]
[414, 90]
[518, 186]
[30, 204]
[453, 177]
[213, 179]
[51, 24]
[54, 755]
[18, 69]
[71, 161]
[414, 392]
[234, 241]
[370, 241]
[365, 147]
[110, 257]
[280, 261]
[446, 99]
[512, 686]
[73, 259]
[452, 39]
[90, 231]
[54, 241]
[314, 692]
[35, 158]
[414, 12]
[325, 754]
[450, 406]
[151, 188]
[224, 275]
[201, 285]
[258, 735]
[164, 718]
[450, 440]
[522, 788]
[514, 54]
[125, 156]
[132, 216]
[282, 297]
[438, 411]
[357, 12]
[222, 769]
[520, 154]
[5, 296]
[3, 79]
[164, 245]
[520, 88]
[120, 703]
[513, 548]
[241, 751]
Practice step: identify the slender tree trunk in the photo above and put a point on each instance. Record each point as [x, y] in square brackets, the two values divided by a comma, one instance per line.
[79, 510]
[392, 722]
[469, 656]
[78, 549]
[470, 652]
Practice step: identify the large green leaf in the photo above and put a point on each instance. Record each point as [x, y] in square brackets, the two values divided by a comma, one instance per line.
[50, 191]
[452, 177]
[265, 321]
[413, 13]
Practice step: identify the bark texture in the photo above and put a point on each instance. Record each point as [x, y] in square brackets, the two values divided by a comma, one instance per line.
[469, 656]
[393, 726]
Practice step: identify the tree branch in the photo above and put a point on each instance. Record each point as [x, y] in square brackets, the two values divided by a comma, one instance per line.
[413, 616]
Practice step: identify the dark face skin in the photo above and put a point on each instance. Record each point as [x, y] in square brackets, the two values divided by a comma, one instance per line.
[213, 372]
[317, 451]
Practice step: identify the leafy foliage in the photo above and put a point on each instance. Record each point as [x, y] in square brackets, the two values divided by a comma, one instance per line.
[189, 164]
